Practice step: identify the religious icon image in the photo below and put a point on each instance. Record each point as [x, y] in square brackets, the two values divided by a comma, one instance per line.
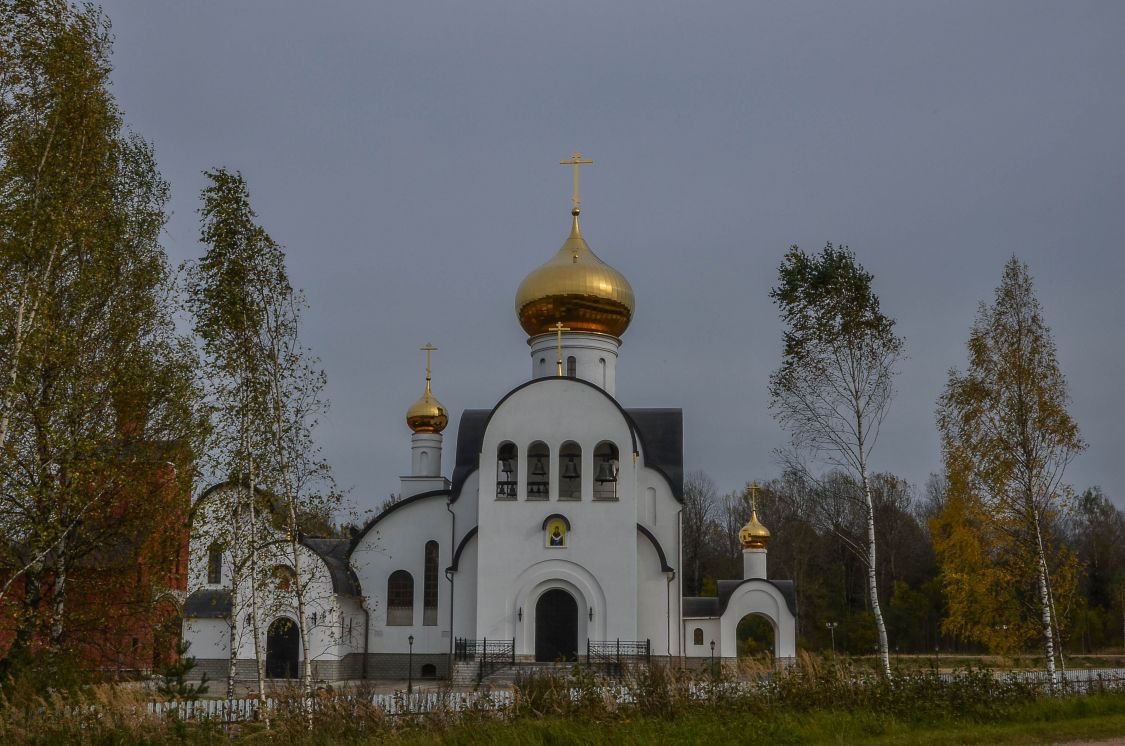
[556, 533]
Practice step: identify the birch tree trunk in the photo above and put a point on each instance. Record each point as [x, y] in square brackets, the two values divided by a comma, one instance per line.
[259, 660]
[872, 584]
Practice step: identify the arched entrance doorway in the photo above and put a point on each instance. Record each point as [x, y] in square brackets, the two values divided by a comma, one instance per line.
[283, 645]
[556, 626]
[757, 640]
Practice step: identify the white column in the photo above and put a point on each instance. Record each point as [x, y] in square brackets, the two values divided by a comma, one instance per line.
[753, 564]
[425, 462]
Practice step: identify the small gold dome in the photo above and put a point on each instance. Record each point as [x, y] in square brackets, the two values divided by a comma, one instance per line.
[427, 415]
[576, 288]
[754, 535]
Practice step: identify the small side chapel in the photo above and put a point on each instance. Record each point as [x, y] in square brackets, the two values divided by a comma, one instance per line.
[552, 535]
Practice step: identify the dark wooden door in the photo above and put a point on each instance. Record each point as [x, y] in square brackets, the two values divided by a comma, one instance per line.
[556, 626]
[283, 646]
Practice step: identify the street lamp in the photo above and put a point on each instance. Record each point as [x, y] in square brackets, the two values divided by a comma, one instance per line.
[410, 666]
[832, 630]
[712, 659]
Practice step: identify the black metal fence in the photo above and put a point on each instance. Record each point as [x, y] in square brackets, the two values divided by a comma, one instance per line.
[614, 655]
[492, 655]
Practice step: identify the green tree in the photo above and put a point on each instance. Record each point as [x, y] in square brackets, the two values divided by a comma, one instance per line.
[97, 398]
[268, 387]
[1007, 439]
[835, 383]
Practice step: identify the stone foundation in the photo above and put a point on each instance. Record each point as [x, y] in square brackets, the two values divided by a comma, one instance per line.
[379, 666]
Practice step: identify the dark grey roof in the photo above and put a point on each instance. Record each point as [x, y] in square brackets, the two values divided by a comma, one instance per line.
[334, 552]
[470, 436]
[728, 587]
[696, 606]
[208, 603]
[662, 435]
[664, 566]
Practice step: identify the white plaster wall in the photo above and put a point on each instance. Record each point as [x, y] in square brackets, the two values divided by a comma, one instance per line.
[657, 601]
[465, 593]
[273, 604]
[398, 542]
[208, 638]
[712, 630]
[600, 560]
[759, 597]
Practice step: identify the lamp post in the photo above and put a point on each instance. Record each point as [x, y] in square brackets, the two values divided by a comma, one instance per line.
[832, 631]
[410, 666]
[712, 659]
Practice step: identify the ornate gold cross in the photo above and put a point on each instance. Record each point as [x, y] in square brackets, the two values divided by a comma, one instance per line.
[576, 161]
[558, 329]
[754, 497]
[428, 348]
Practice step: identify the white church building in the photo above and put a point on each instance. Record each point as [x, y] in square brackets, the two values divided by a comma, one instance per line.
[556, 533]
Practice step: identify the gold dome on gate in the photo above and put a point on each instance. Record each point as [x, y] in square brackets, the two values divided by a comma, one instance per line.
[427, 415]
[576, 288]
[754, 535]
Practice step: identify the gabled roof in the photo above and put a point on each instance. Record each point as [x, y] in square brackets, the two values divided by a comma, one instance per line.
[712, 606]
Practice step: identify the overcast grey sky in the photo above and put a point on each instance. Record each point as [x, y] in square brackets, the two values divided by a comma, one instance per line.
[406, 155]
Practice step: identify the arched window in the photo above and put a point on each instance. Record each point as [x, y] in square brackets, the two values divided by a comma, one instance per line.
[606, 467]
[284, 579]
[215, 564]
[697, 636]
[538, 471]
[571, 367]
[429, 671]
[570, 471]
[507, 471]
[543, 373]
[429, 585]
[400, 599]
[601, 366]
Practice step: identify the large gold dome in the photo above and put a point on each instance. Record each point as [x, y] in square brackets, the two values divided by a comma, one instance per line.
[576, 288]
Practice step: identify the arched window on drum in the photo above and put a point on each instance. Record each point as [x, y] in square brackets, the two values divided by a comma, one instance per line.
[606, 469]
[507, 471]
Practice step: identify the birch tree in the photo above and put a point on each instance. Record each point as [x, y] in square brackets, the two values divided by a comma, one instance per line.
[1007, 439]
[96, 391]
[270, 388]
[836, 380]
[228, 317]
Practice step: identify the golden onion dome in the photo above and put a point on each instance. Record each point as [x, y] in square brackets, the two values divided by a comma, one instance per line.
[427, 415]
[754, 535]
[576, 288]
